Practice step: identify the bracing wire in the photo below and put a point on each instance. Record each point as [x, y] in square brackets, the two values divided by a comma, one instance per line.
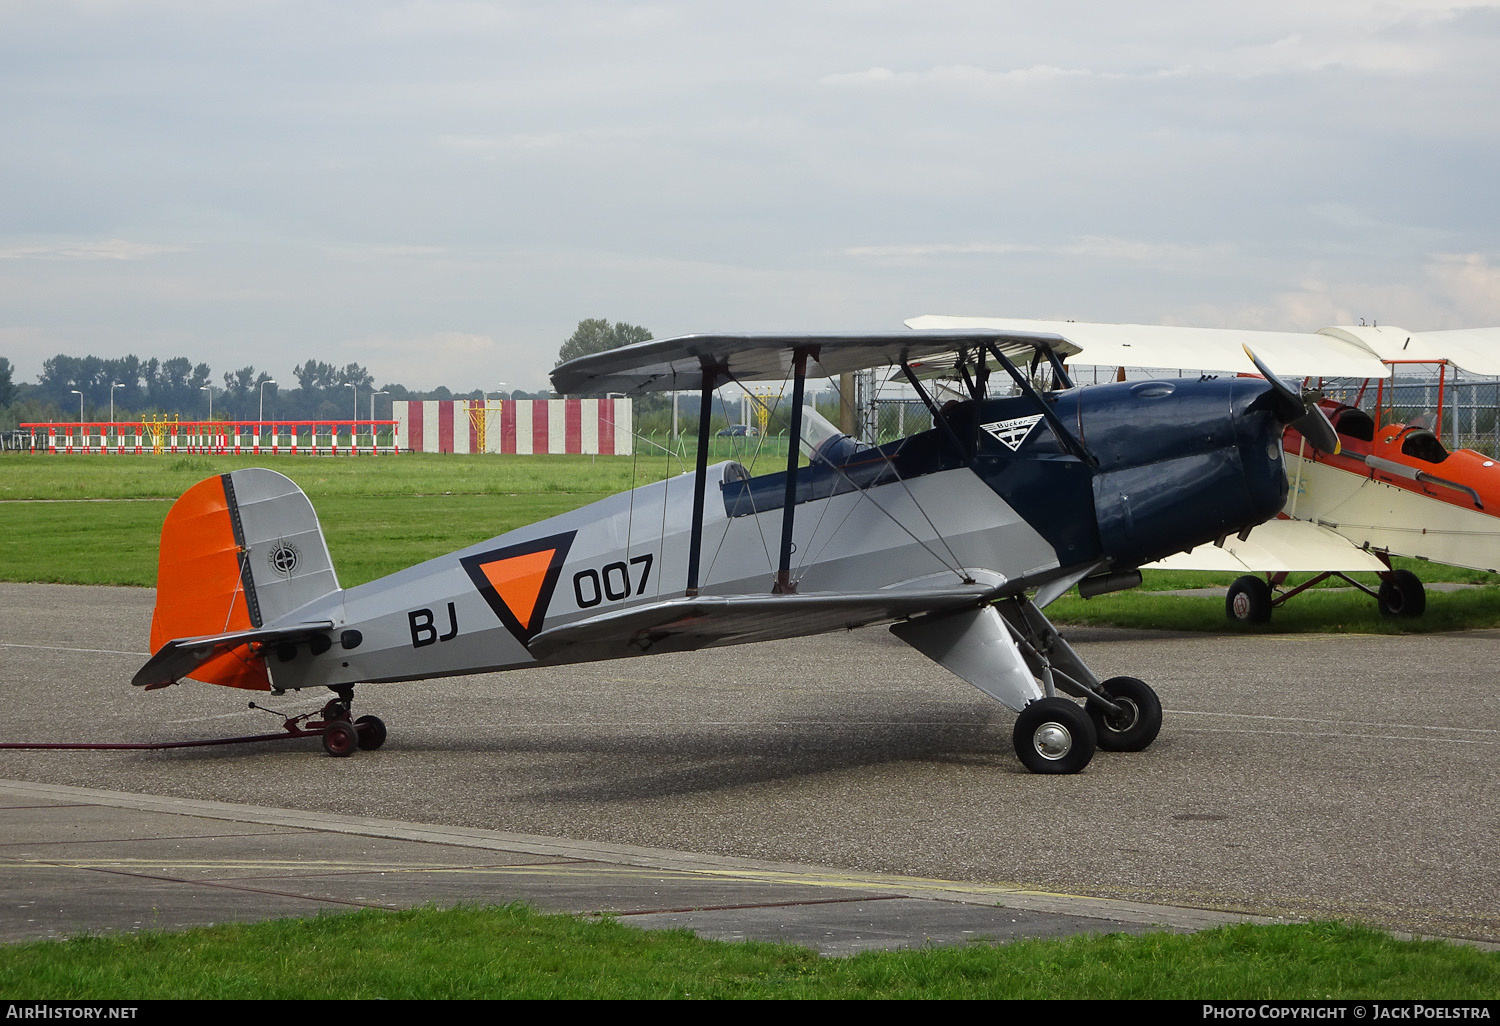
[955, 566]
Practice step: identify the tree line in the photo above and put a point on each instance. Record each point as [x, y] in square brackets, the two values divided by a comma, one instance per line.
[177, 387]
[151, 388]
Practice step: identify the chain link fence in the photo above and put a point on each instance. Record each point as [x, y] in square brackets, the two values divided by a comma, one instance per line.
[1470, 409]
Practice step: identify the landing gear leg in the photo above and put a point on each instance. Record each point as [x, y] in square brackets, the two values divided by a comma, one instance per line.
[1012, 653]
[1124, 714]
[337, 708]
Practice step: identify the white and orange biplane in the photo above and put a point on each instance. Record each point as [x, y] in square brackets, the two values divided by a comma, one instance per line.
[1391, 489]
[956, 537]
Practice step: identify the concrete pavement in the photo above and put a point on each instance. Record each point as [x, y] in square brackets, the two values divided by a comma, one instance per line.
[84, 861]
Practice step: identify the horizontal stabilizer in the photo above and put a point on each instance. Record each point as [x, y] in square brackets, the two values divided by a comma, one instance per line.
[181, 656]
[688, 624]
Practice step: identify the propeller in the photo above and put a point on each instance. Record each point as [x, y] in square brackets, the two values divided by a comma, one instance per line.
[1299, 412]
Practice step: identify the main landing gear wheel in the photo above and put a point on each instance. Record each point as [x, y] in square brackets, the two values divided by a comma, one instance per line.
[1401, 594]
[340, 739]
[1054, 735]
[1138, 722]
[371, 731]
[1249, 600]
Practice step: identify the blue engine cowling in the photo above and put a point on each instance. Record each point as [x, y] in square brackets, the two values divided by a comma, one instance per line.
[1173, 464]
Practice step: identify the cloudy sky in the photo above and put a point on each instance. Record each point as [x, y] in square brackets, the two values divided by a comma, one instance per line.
[441, 190]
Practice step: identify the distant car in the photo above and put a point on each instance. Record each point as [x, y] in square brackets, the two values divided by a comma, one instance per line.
[738, 431]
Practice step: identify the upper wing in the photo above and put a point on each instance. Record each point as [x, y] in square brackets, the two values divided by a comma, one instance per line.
[688, 624]
[1276, 546]
[1294, 354]
[681, 363]
[1476, 350]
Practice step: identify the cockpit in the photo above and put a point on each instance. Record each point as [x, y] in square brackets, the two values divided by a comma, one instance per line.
[1421, 444]
[1354, 423]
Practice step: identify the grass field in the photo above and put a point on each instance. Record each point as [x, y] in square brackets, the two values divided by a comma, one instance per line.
[509, 952]
[96, 520]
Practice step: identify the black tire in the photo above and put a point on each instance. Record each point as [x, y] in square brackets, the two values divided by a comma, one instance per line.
[340, 739]
[1248, 601]
[371, 732]
[1054, 735]
[1401, 594]
[1138, 724]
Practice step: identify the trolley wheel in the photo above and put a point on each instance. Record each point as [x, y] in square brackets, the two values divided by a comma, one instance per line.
[371, 732]
[340, 739]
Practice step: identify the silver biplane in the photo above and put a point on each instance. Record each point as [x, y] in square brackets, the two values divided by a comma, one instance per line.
[956, 537]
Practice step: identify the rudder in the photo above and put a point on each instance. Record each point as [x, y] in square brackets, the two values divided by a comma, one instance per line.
[238, 551]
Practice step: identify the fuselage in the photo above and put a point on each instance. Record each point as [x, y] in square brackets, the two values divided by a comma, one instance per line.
[1396, 489]
[1002, 495]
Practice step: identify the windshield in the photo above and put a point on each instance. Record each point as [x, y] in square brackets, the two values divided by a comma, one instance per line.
[821, 442]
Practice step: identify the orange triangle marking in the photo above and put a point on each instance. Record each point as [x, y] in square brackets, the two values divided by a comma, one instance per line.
[518, 581]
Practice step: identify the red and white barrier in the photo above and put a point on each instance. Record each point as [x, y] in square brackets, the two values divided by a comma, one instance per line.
[517, 426]
[318, 437]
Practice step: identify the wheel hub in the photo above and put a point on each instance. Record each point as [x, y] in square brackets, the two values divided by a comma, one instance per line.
[1126, 717]
[1052, 741]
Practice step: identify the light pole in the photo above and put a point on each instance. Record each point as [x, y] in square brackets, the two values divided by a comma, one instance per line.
[263, 384]
[372, 416]
[210, 390]
[112, 400]
[80, 404]
[260, 420]
[355, 394]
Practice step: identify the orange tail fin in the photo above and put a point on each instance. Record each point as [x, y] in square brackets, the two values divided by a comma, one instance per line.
[237, 552]
[200, 588]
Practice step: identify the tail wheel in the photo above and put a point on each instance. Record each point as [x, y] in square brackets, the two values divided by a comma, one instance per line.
[1401, 594]
[1248, 601]
[340, 739]
[371, 731]
[1137, 723]
[1054, 735]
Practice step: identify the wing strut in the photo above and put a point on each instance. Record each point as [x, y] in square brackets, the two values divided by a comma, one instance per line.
[700, 483]
[932, 407]
[784, 585]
